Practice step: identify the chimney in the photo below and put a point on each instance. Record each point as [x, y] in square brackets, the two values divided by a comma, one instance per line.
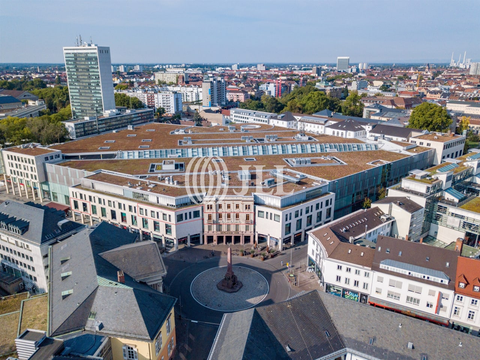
[421, 240]
[121, 276]
[459, 245]
[406, 237]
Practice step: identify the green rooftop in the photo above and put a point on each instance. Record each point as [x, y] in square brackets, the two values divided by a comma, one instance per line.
[472, 205]
[467, 250]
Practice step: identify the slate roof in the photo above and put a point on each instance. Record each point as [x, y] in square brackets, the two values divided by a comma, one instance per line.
[129, 309]
[264, 333]
[416, 254]
[304, 323]
[44, 224]
[389, 130]
[347, 125]
[139, 260]
[7, 99]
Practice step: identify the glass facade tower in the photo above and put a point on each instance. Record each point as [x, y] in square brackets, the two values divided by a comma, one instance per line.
[89, 79]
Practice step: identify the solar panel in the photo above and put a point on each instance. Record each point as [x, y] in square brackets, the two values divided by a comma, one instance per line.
[448, 167]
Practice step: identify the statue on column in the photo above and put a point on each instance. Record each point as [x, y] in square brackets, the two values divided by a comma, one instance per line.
[230, 282]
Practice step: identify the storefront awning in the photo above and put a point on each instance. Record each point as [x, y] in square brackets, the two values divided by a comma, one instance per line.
[409, 311]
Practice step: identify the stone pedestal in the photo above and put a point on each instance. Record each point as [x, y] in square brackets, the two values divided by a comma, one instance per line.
[230, 282]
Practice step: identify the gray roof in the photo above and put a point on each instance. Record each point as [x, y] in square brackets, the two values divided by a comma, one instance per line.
[416, 254]
[139, 260]
[389, 130]
[402, 202]
[43, 224]
[302, 323]
[339, 116]
[7, 99]
[347, 125]
[128, 309]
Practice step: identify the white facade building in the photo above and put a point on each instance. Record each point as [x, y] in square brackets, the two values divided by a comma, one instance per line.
[89, 79]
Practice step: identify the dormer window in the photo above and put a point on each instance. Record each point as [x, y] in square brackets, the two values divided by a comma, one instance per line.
[461, 285]
[476, 288]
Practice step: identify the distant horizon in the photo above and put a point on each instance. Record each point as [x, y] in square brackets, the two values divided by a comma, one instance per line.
[219, 32]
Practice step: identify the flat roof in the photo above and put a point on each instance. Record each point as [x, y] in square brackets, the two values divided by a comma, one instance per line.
[32, 151]
[354, 162]
[158, 136]
[444, 137]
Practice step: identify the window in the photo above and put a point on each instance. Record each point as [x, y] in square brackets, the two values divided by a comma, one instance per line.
[168, 229]
[104, 212]
[339, 267]
[356, 283]
[130, 352]
[288, 228]
[431, 292]
[476, 288]
[145, 223]
[170, 346]
[179, 217]
[134, 220]
[75, 204]
[378, 290]
[299, 224]
[395, 284]
[123, 217]
[456, 311]
[461, 285]
[366, 274]
[357, 272]
[276, 217]
[339, 278]
[380, 279]
[415, 289]
[365, 286]
[459, 298]
[393, 295]
[413, 301]
[261, 214]
[471, 315]
[429, 305]
[158, 344]
[94, 209]
[168, 326]
[348, 270]
[474, 302]
[113, 213]
[347, 281]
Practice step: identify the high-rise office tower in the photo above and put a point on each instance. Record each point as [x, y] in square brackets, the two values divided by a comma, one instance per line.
[89, 77]
[343, 62]
[214, 92]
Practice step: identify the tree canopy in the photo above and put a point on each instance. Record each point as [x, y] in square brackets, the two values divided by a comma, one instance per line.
[431, 117]
[352, 105]
[45, 129]
[121, 86]
[56, 98]
[22, 84]
[128, 101]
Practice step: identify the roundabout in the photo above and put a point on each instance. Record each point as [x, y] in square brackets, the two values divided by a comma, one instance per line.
[205, 292]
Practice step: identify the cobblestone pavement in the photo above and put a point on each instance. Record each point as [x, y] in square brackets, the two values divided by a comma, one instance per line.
[204, 289]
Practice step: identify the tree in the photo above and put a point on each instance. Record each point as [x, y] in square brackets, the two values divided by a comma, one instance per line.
[367, 203]
[160, 112]
[58, 81]
[272, 104]
[382, 192]
[345, 92]
[463, 124]
[431, 117]
[121, 86]
[128, 101]
[197, 119]
[352, 106]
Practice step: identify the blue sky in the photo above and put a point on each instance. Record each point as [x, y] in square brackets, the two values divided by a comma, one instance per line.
[225, 31]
